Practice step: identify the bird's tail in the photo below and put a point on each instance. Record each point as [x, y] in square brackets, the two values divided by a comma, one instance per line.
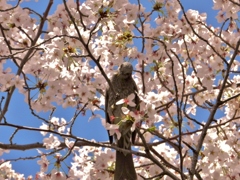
[124, 169]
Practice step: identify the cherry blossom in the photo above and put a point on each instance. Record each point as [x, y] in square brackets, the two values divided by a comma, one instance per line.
[113, 128]
[128, 100]
[55, 175]
[3, 151]
[43, 163]
[51, 142]
[186, 71]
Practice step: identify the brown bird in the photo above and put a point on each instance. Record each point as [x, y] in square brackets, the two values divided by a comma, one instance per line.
[123, 85]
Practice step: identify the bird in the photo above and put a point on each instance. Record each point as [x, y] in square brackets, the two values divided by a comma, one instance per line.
[123, 85]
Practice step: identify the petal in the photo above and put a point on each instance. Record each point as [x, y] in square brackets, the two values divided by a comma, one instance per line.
[112, 126]
[125, 110]
[111, 132]
[103, 122]
[133, 128]
[118, 134]
[131, 96]
[121, 101]
[132, 104]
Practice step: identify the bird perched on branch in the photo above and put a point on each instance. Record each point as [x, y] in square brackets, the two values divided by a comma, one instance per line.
[123, 85]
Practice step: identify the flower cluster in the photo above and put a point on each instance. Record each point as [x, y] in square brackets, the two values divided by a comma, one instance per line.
[186, 72]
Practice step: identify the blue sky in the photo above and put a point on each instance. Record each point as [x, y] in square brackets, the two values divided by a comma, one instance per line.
[19, 113]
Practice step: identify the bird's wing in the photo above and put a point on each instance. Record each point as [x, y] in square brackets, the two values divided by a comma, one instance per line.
[137, 102]
[106, 114]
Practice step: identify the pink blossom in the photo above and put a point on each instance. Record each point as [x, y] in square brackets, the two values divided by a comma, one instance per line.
[180, 66]
[192, 15]
[52, 142]
[113, 128]
[3, 151]
[45, 127]
[58, 175]
[128, 100]
[43, 162]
